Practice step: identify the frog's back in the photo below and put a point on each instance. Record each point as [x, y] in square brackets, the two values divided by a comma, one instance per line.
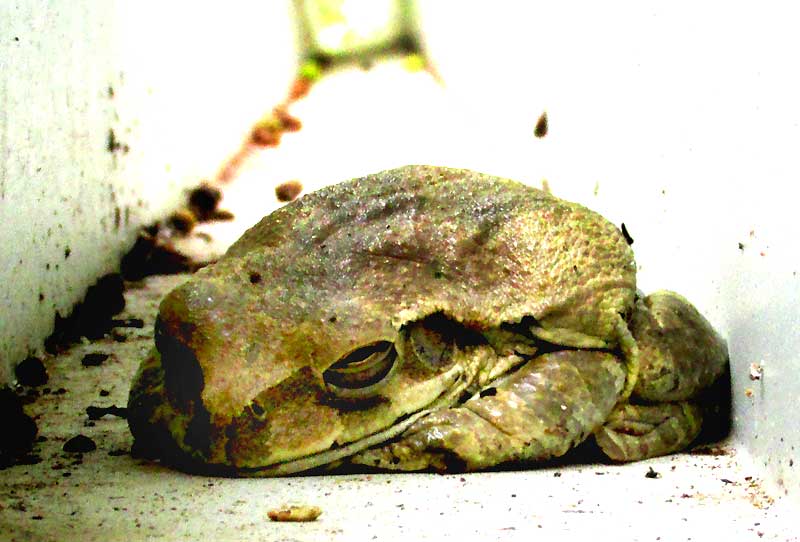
[393, 195]
[420, 239]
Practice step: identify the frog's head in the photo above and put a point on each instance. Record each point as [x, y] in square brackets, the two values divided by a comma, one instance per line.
[257, 378]
[341, 317]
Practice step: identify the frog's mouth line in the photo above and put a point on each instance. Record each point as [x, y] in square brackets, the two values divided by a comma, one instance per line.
[294, 466]
[329, 456]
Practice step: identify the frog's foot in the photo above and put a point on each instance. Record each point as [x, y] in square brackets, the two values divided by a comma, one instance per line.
[635, 432]
[680, 354]
[543, 409]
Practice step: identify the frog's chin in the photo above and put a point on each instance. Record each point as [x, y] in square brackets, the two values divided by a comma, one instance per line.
[333, 455]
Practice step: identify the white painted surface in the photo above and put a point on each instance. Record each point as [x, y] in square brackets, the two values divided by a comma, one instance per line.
[178, 83]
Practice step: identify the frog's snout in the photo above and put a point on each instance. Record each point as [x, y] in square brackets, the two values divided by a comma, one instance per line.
[187, 330]
[183, 376]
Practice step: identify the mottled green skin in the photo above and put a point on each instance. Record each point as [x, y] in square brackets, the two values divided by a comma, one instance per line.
[235, 384]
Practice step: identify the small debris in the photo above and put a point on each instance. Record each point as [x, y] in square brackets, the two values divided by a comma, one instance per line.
[92, 318]
[295, 513]
[182, 221]
[748, 392]
[289, 190]
[727, 481]
[266, 133]
[488, 392]
[288, 122]
[741, 246]
[31, 372]
[299, 88]
[96, 412]
[202, 206]
[113, 144]
[151, 255]
[756, 371]
[203, 201]
[79, 444]
[710, 450]
[94, 359]
[222, 215]
[626, 235]
[541, 126]
[652, 473]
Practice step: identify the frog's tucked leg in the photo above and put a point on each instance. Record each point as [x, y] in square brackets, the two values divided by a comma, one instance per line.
[541, 410]
[680, 356]
[635, 432]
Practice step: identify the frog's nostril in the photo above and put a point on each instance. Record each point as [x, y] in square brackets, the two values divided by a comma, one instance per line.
[183, 376]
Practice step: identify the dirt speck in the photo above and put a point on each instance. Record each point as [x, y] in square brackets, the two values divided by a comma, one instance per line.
[626, 235]
[96, 412]
[289, 190]
[295, 513]
[92, 318]
[182, 221]
[540, 130]
[79, 444]
[31, 372]
[203, 201]
[94, 359]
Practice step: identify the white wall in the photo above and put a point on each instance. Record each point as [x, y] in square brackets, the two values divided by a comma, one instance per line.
[179, 83]
[686, 117]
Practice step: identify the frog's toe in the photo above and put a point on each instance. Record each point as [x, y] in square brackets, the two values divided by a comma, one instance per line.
[635, 432]
[680, 352]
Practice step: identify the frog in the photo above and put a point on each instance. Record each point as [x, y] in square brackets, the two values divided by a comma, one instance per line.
[422, 318]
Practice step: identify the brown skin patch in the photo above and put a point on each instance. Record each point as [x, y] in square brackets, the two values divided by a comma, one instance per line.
[286, 415]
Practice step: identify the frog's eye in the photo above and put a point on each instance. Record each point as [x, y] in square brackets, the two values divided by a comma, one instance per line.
[361, 371]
